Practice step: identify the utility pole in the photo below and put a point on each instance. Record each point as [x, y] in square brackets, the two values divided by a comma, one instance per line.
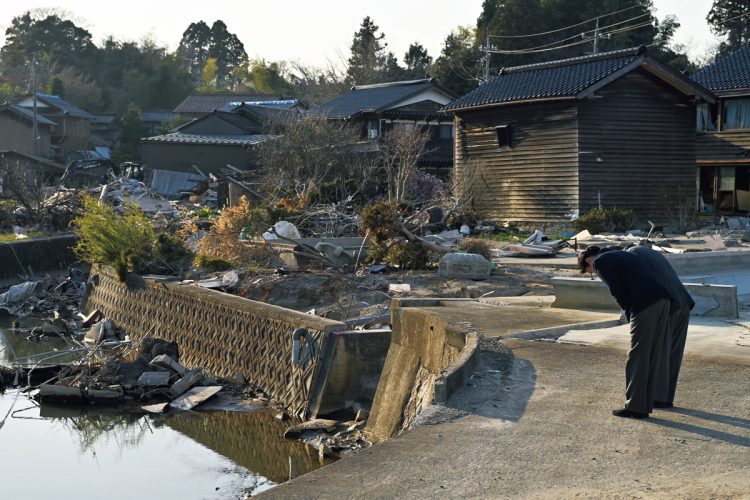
[595, 38]
[35, 127]
[487, 49]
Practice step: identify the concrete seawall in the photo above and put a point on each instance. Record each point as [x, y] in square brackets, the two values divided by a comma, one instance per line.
[428, 359]
[54, 253]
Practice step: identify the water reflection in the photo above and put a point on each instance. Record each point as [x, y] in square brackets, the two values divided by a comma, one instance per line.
[95, 452]
[252, 440]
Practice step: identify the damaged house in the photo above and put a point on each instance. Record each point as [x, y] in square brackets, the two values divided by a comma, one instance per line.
[723, 146]
[209, 143]
[73, 125]
[199, 104]
[376, 109]
[541, 142]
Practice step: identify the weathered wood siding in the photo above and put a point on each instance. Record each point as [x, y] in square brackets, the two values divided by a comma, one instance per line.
[536, 179]
[637, 148]
[730, 145]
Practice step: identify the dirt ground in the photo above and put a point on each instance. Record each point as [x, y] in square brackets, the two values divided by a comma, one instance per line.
[340, 296]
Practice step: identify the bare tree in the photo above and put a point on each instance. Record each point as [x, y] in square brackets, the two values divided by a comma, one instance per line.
[400, 150]
[22, 182]
[309, 151]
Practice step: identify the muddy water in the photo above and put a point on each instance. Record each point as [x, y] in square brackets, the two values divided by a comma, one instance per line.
[94, 453]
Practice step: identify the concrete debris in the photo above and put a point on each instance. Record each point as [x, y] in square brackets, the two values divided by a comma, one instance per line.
[187, 381]
[154, 379]
[164, 361]
[156, 408]
[464, 266]
[194, 397]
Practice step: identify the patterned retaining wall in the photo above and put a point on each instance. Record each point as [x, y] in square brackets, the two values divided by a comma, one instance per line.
[222, 333]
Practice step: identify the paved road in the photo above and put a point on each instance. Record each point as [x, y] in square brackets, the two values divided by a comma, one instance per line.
[536, 423]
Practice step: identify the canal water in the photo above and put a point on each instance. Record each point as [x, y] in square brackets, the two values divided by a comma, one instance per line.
[94, 453]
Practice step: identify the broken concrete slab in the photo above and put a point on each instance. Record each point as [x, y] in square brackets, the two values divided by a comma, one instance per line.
[154, 379]
[314, 425]
[186, 382]
[50, 392]
[194, 397]
[165, 361]
[156, 408]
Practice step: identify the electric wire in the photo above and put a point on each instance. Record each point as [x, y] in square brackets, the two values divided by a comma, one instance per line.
[566, 27]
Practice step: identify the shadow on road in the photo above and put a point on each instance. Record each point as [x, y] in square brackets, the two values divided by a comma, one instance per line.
[703, 431]
[500, 388]
[715, 417]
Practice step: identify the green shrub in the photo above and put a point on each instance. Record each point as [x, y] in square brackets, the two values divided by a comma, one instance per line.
[106, 236]
[478, 247]
[210, 263]
[607, 220]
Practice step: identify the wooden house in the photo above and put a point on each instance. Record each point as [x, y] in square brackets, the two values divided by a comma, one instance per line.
[209, 143]
[17, 131]
[542, 142]
[376, 109]
[73, 130]
[723, 144]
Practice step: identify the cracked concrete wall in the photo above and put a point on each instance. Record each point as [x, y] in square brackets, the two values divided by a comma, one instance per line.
[423, 347]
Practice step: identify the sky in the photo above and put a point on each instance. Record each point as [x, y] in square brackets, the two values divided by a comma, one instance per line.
[314, 33]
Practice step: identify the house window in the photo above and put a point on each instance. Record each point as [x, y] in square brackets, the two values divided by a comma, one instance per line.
[446, 131]
[372, 129]
[504, 136]
[705, 118]
[737, 113]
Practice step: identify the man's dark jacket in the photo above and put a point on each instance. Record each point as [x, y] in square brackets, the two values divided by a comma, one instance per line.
[633, 285]
[663, 270]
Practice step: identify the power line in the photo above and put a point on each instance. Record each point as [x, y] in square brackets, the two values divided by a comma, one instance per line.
[566, 27]
[533, 51]
[579, 35]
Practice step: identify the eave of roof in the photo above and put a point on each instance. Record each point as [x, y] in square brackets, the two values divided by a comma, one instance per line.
[215, 140]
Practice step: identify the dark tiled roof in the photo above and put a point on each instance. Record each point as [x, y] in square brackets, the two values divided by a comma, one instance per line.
[205, 103]
[372, 98]
[221, 140]
[27, 114]
[63, 107]
[731, 72]
[550, 80]
[103, 118]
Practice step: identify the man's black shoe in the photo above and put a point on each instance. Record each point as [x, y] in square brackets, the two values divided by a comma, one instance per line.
[624, 412]
[663, 404]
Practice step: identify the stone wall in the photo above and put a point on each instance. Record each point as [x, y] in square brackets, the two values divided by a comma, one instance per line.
[221, 333]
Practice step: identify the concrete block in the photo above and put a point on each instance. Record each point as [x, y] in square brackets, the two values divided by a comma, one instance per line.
[154, 378]
[585, 293]
[464, 266]
[190, 379]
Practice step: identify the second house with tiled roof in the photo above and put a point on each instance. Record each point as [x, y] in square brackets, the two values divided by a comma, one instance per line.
[377, 109]
[723, 148]
[541, 142]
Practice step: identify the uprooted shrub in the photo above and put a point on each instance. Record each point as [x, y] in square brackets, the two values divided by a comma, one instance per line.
[381, 222]
[602, 220]
[478, 247]
[223, 239]
[124, 241]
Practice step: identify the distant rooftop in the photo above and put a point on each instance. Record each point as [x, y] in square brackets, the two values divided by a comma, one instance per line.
[27, 114]
[60, 106]
[374, 98]
[200, 102]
